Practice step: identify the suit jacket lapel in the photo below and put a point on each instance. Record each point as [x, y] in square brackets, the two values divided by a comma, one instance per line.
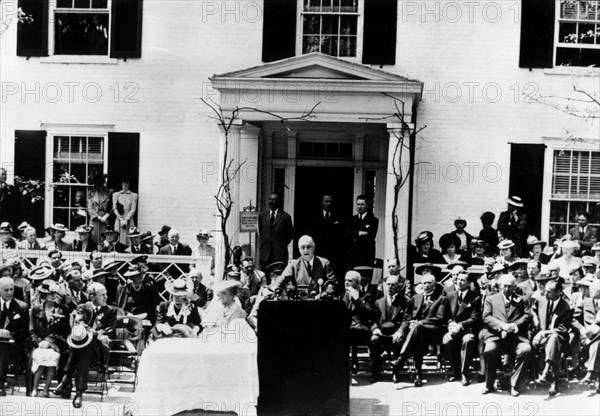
[464, 303]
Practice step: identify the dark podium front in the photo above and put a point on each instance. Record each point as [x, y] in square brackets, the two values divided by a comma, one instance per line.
[303, 364]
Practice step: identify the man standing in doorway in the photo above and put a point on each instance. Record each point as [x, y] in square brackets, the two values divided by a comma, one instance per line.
[10, 202]
[276, 232]
[360, 235]
[327, 229]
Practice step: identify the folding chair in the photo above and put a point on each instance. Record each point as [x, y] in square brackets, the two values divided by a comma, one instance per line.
[126, 348]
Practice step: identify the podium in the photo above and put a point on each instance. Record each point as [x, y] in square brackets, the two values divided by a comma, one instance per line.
[303, 365]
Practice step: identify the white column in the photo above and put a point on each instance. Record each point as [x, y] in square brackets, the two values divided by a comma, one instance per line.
[402, 207]
[233, 152]
[248, 178]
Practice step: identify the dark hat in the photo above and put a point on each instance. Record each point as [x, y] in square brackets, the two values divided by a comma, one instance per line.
[164, 230]
[276, 267]
[99, 177]
[448, 239]
[133, 270]
[435, 270]
[141, 259]
[204, 234]
[388, 328]
[98, 273]
[110, 230]
[488, 216]
[147, 236]
[532, 241]
[112, 265]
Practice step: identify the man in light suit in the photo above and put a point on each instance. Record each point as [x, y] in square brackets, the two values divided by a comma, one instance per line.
[100, 320]
[584, 234]
[275, 231]
[360, 234]
[554, 318]
[30, 242]
[463, 313]
[506, 319]
[14, 328]
[178, 249]
[586, 321]
[309, 269]
[389, 310]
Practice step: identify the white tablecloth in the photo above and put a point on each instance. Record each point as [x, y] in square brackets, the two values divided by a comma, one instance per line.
[217, 372]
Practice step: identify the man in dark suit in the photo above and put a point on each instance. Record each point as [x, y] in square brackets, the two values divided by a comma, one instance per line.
[136, 247]
[463, 314]
[202, 295]
[506, 319]
[111, 242]
[10, 201]
[554, 317]
[276, 231]
[360, 306]
[74, 295]
[327, 229]
[14, 329]
[175, 248]
[101, 320]
[309, 270]
[389, 311]
[421, 326]
[584, 234]
[360, 235]
[586, 321]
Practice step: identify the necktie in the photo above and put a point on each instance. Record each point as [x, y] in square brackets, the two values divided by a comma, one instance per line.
[549, 314]
[460, 298]
[309, 268]
[272, 218]
[3, 314]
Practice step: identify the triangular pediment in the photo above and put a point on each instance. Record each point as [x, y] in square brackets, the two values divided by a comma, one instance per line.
[314, 66]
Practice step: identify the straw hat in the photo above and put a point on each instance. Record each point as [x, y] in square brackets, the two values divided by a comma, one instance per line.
[515, 201]
[40, 272]
[80, 336]
[177, 287]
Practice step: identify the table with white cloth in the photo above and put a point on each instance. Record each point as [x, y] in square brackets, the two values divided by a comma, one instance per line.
[216, 371]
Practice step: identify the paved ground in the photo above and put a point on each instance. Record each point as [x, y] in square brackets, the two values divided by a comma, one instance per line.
[436, 397]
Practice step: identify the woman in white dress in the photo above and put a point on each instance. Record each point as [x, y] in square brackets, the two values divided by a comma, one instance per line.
[124, 205]
[224, 308]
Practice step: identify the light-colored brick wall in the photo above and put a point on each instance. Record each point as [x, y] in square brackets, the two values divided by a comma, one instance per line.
[464, 62]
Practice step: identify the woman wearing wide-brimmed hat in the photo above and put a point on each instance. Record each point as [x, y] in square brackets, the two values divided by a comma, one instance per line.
[84, 243]
[450, 244]
[57, 232]
[425, 252]
[48, 327]
[536, 248]
[177, 312]
[507, 252]
[512, 224]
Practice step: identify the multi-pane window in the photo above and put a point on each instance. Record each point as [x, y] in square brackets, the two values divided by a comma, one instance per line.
[575, 188]
[330, 27]
[81, 27]
[76, 160]
[324, 150]
[578, 42]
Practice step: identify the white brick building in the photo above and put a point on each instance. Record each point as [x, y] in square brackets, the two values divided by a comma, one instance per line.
[463, 68]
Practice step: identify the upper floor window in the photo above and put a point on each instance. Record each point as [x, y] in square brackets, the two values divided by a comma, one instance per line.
[578, 33]
[81, 27]
[330, 27]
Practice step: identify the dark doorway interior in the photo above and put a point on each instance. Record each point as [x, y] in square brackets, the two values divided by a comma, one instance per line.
[311, 184]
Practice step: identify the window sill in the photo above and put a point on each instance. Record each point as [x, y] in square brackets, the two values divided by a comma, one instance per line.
[580, 71]
[79, 60]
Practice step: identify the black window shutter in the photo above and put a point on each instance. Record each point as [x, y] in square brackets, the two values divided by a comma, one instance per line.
[124, 161]
[537, 33]
[32, 37]
[126, 30]
[30, 164]
[526, 176]
[379, 38]
[279, 29]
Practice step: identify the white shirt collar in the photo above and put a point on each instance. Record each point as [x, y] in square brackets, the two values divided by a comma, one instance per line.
[274, 211]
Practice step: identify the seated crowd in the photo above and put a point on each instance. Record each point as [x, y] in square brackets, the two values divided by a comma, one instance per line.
[502, 303]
